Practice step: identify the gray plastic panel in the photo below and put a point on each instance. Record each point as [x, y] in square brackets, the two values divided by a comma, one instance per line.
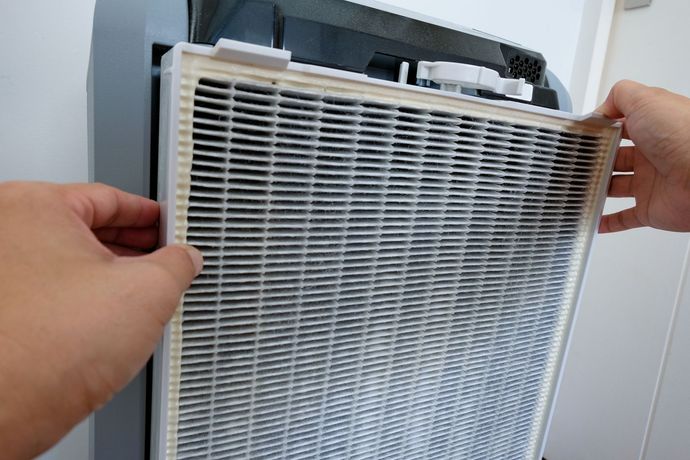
[119, 125]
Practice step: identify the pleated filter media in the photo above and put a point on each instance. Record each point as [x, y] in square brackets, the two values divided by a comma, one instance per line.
[390, 272]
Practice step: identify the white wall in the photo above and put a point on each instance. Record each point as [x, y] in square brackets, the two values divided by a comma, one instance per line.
[591, 53]
[631, 293]
[44, 51]
[669, 422]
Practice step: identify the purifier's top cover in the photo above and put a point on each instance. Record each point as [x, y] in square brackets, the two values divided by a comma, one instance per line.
[391, 271]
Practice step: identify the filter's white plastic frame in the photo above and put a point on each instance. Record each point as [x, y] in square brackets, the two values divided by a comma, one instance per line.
[263, 57]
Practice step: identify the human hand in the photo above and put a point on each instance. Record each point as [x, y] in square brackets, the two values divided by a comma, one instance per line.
[656, 170]
[81, 307]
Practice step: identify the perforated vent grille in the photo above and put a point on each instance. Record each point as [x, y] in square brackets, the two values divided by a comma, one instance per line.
[381, 281]
[524, 67]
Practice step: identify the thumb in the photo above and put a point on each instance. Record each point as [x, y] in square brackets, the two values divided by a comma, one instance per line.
[181, 261]
[163, 276]
[622, 99]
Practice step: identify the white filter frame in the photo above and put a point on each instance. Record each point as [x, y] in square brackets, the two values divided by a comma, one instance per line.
[262, 63]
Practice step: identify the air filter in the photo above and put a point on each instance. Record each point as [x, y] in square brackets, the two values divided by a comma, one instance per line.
[391, 271]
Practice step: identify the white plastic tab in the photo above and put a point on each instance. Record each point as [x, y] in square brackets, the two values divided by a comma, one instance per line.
[403, 72]
[247, 53]
[526, 95]
[453, 76]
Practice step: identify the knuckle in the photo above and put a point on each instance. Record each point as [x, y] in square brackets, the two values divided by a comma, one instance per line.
[105, 190]
[624, 86]
[93, 188]
[101, 186]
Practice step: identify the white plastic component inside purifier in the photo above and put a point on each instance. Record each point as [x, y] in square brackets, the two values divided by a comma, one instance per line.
[453, 76]
[403, 72]
[391, 272]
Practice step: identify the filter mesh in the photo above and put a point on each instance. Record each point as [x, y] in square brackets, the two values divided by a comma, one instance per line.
[382, 281]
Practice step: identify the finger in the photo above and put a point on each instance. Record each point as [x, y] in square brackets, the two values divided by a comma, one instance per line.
[621, 99]
[621, 186]
[137, 238]
[100, 205]
[619, 221]
[161, 277]
[625, 159]
[181, 261]
[122, 251]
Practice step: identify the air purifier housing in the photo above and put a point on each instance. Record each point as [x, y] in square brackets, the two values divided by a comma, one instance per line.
[129, 39]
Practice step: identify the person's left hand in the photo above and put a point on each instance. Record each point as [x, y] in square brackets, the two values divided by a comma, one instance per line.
[82, 306]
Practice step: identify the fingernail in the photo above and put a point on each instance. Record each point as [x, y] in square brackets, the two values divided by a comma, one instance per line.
[196, 257]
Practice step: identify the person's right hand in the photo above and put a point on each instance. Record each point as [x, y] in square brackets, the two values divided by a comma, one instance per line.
[658, 123]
